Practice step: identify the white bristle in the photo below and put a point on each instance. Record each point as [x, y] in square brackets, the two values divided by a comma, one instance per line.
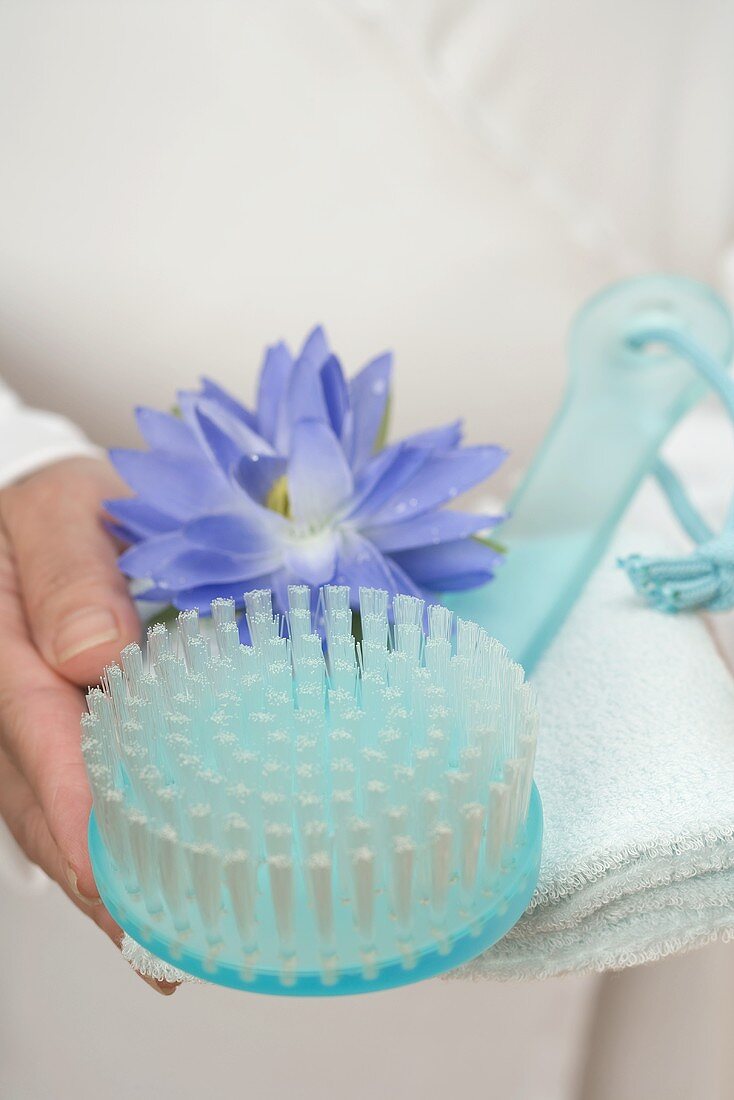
[228, 637]
[158, 642]
[240, 872]
[363, 867]
[143, 855]
[403, 861]
[440, 623]
[496, 824]
[188, 630]
[472, 825]
[223, 610]
[303, 784]
[205, 865]
[408, 610]
[299, 597]
[263, 625]
[441, 845]
[280, 869]
[319, 870]
[375, 628]
[336, 598]
[132, 664]
[172, 876]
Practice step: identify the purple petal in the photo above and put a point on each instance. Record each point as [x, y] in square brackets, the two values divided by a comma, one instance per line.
[153, 594]
[360, 563]
[312, 560]
[201, 567]
[305, 399]
[212, 391]
[233, 533]
[220, 446]
[179, 489]
[336, 395]
[272, 390]
[368, 394]
[124, 535]
[441, 478]
[428, 529]
[406, 584]
[149, 558]
[444, 438]
[164, 432]
[316, 347]
[383, 477]
[243, 437]
[450, 566]
[194, 568]
[139, 518]
[319, 478]
[202, 595]
[258, 473]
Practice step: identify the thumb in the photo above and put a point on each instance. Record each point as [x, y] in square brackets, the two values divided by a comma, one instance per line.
[76, 601]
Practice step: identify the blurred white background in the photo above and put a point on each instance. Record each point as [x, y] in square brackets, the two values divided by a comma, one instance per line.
[183, 182]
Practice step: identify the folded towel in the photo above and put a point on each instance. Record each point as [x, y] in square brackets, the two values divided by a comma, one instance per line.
[636, 771]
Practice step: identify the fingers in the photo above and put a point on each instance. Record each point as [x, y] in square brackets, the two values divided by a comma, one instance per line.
[26, 822]
[39, 731]
[76, 602]
[58, 580]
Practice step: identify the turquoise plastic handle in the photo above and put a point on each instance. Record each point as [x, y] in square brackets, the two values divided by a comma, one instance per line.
[622, 400]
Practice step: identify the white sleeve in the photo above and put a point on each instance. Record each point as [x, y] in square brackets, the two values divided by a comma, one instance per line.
[30, 439]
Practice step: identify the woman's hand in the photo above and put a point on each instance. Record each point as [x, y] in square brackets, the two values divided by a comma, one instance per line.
[64, 614]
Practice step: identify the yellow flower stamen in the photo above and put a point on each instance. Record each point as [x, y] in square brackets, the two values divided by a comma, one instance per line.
[277, 498]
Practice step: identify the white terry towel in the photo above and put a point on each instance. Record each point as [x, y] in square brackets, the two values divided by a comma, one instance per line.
[636, 772]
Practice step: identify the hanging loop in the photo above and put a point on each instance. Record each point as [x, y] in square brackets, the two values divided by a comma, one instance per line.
[703, 579]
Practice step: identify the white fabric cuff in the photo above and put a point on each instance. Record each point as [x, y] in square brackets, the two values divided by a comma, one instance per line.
[31, 439]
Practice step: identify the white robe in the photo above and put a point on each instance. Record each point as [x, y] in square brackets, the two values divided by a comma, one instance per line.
[182, 182]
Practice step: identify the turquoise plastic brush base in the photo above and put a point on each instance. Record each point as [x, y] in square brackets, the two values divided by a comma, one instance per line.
[465, 936]
[622, 400]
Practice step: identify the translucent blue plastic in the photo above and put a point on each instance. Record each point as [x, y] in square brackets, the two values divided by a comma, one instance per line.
[624, 396]
[467, 934]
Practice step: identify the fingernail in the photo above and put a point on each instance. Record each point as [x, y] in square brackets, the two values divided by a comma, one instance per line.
[84, 629]
[164, 988]
[74, 887]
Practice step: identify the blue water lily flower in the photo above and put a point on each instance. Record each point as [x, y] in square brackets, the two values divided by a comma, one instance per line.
[299, 490]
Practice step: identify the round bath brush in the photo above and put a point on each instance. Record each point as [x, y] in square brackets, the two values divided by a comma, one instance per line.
[289, 817]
